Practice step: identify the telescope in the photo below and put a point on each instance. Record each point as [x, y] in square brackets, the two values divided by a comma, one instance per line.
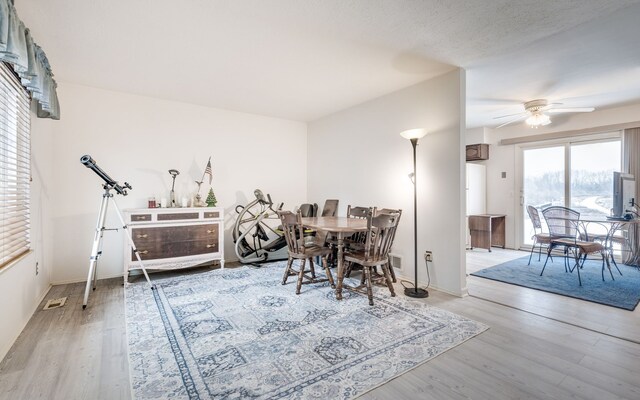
[96, 249]
[90, 163]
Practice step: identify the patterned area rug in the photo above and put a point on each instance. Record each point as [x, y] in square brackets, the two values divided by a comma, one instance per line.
[238, 333]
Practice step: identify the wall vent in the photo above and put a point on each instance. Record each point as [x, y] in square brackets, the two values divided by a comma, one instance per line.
[396, 261]
[55, 303]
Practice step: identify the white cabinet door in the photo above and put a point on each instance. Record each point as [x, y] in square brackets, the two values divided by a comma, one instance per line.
[476, 189]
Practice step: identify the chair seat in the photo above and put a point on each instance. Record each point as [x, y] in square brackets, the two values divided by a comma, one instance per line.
[358, 256]
[542, 237]
[585, 247]
[614, 239]
[312, 251]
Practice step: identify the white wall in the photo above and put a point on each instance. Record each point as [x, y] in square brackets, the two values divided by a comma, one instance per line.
[475, 135]
[358, 156]
[21, 290]
[503, 193]
[138, 139]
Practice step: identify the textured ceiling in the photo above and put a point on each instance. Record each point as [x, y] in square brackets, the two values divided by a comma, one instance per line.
[302, 60]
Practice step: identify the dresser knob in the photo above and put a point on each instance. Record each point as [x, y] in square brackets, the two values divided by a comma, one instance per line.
[142, 236]
[143, 251]
[210, 231]
[141, 217]
[210, 246]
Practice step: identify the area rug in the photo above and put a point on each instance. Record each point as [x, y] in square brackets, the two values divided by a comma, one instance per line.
[239, 333]
[623, 292]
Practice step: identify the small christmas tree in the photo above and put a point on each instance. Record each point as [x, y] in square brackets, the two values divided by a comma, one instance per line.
[211, 199]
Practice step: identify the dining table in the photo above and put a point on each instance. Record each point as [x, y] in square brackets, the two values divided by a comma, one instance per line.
[612, 225]
[341, 227]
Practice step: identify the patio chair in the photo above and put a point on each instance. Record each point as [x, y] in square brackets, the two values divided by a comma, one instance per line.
[539, 238]
[565, 230]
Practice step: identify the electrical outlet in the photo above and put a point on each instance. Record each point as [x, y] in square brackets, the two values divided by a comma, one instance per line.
[428, 256]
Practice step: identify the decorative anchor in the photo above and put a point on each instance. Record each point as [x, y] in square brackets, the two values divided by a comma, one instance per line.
[198, 197]
[172, 201]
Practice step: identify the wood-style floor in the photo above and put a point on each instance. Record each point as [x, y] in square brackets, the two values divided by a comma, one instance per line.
[69, 353]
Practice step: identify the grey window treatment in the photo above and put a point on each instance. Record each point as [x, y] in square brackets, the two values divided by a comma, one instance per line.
[28, 60]
[631, 165]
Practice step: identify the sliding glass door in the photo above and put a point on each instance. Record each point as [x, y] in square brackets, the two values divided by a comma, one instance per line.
[592, 166]
[575, 174]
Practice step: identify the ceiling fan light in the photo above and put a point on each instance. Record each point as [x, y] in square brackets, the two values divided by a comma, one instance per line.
[538, 119]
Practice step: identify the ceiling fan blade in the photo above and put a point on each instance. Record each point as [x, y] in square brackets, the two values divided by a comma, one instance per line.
[520, 114]
[570, 110]
[511, 121]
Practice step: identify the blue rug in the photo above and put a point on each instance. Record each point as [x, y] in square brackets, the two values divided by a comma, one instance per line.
[239, 333]
[623, 292]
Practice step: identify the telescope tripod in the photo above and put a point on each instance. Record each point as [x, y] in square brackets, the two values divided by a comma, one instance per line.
[96, 249]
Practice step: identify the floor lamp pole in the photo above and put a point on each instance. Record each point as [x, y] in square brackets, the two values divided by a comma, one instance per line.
[415, 291]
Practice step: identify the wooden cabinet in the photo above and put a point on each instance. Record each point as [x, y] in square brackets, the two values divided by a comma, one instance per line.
[476, 152]
[172, 238]
[487, 230]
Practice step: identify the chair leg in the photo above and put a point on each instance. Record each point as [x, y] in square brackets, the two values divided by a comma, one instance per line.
[392, 273]
[327, 271]
[577, 267]
[347, 271]
[313, 270]
[540, 251]
[367, 273]
[287, 271]
[547, 259]
[300, 275]
[531, 253]
[614, 262]
[606, 257]
[387, 278]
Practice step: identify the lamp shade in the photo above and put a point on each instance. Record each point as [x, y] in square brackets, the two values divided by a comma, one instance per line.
[413, 133]
[538, 119]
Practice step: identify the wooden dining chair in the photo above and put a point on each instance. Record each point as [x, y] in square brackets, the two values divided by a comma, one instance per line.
[356, 241]
[308, 209]
[397, 212]
[330, 208]
[539, 238]
[378, 240]
[303, 250]
[565, 230]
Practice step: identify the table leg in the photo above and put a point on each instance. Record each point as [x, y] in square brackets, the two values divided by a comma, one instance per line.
[340, 266]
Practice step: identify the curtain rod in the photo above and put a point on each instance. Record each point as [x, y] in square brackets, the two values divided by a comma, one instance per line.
[566, 134]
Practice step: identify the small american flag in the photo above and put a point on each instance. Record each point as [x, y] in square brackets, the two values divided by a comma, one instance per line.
[207, 171]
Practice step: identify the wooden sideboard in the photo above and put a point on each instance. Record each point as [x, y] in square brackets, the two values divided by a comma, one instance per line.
[173, 238]
[487, 230]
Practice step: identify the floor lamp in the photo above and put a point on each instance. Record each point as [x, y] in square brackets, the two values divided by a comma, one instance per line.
[413, 135]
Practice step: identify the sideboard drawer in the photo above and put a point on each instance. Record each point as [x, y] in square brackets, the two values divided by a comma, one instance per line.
[177, 216]
[155, 242]
[140, 217]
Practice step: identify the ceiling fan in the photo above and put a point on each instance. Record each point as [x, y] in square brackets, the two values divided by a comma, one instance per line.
[537, 113]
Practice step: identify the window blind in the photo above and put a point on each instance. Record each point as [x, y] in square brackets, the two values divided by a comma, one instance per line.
[15, 167]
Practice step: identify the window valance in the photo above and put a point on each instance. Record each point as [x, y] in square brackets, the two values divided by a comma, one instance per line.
[28, 60]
